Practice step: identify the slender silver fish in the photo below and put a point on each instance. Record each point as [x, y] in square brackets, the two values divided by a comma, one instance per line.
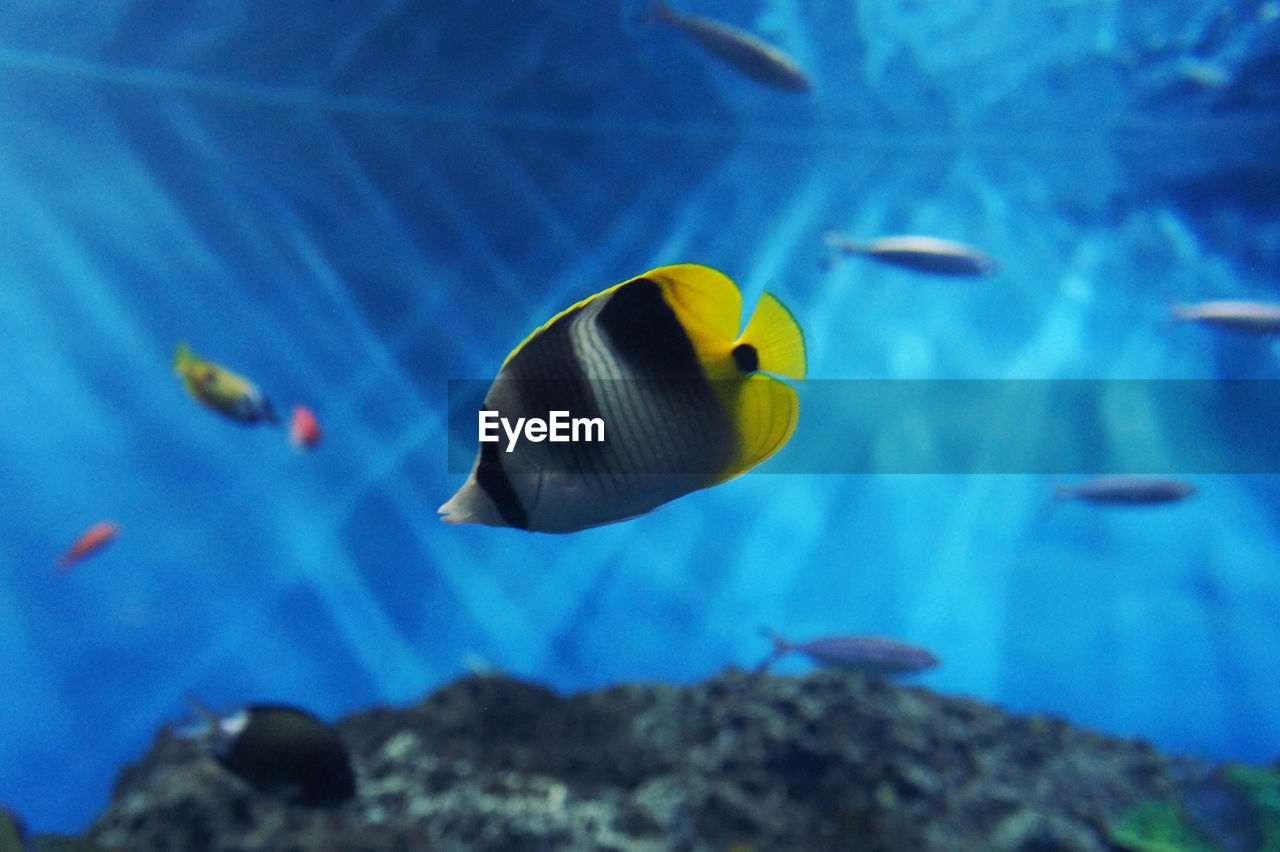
[923, 254]
[1255, 317]
[866, 654]
[739, 49]
[1126, 490]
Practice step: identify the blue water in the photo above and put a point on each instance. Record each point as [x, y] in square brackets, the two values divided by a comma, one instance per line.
[355, 202]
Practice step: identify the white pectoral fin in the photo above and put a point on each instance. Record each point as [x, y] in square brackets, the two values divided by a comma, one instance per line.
[471, 505]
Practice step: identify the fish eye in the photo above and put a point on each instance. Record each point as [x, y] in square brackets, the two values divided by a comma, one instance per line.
[746, 358]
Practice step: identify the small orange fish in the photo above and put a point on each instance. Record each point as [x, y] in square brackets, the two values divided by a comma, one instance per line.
[91, 541]
[304, 428]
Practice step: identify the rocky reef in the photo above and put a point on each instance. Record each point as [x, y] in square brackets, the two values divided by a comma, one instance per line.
[742, 761]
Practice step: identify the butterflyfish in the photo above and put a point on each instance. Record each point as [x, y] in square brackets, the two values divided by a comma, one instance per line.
[921, 254]
[1254, 317]
[218, 388]
[739, 49]
[685, 402]
[280, 750]
[92, 540]
[867, 654]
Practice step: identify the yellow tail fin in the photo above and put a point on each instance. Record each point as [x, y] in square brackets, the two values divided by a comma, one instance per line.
[777, 338]
[766, 416]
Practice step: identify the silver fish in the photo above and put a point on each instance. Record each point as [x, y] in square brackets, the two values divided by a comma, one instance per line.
[1128, 490]
[739, 49]
[866, 654]
[923, 254]
[1255, 317]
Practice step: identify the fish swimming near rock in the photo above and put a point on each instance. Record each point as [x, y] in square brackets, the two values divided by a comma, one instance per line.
[739, 49]
[280, 750]
[1125, 491]
[867, 654]
[91, 541]
[1252, 317]
[921, 254]
[683, 400]
[227, 393]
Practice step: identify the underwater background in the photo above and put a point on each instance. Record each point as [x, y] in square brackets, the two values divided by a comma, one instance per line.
[356, 203]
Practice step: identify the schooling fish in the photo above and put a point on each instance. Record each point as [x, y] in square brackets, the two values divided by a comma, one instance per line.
[866, 654]
[923, 254]
[281, 750]
[682, 399]
[1255, 317]
[304, 428]
[739, 49]
[90, 541]
[1126, 490]
[222, 390]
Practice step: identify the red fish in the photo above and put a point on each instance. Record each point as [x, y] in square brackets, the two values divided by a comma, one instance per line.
[91, 541]
[304, 428]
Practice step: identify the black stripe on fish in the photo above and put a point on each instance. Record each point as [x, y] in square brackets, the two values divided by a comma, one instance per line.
[645, 333]
[495, 482]
[746, 357]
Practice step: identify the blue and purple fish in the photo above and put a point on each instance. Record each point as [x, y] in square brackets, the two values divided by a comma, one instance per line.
[867, 654]
[1126, 490]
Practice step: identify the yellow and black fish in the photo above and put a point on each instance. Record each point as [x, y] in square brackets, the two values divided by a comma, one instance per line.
[218, 388]
[684, 400]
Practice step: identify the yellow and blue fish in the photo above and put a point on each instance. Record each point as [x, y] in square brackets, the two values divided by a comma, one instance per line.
[220, 389]
[686, 402]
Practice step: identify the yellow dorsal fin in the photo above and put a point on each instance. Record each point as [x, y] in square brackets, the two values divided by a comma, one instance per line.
[766, 416]
[777, 338]
[705, 301]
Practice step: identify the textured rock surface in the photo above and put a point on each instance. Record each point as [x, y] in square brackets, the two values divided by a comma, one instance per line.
[827, 761]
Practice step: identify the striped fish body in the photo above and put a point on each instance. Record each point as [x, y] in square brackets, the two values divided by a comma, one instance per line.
[740, 50]
[683, 404]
